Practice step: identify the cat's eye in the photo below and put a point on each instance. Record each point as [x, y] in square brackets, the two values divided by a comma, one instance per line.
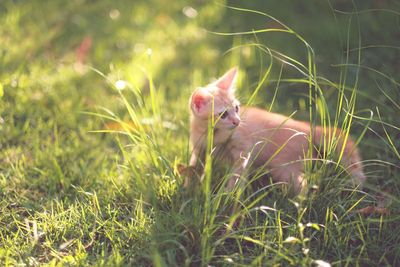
[237, 108]
[223, 115]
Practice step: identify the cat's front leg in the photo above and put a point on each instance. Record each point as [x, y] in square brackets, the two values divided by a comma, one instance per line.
[194, 158]
[195, 167]
[237, 176]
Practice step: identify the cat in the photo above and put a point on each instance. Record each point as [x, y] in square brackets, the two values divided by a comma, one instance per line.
[250, 138]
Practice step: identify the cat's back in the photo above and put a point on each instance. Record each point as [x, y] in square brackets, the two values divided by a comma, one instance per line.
[258, 115]
[273, 131]
[254, 119]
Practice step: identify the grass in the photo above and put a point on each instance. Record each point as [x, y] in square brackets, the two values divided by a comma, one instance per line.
[94, 124]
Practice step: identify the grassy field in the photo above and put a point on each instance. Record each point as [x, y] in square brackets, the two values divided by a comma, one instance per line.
[94, 124]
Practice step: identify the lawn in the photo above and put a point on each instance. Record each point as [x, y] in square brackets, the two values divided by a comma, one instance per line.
[94, 130]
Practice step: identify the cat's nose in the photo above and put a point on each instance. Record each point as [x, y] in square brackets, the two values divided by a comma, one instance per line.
[235, 122]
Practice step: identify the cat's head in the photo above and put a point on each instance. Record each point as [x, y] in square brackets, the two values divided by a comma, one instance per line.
[218, 99]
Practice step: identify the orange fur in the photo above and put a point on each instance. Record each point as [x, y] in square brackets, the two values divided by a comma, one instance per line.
[252, 138]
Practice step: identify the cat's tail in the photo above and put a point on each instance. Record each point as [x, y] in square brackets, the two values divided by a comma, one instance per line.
[351, 158]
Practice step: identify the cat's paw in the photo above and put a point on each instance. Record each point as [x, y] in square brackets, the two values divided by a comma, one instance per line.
[188, 173]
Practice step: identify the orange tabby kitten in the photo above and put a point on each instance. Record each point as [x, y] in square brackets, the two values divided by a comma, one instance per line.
[252, 138]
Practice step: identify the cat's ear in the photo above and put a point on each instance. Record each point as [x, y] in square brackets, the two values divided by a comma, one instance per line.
[200, 101]
[228, 81]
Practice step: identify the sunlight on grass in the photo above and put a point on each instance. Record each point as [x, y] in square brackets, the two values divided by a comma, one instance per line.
[94, 129]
